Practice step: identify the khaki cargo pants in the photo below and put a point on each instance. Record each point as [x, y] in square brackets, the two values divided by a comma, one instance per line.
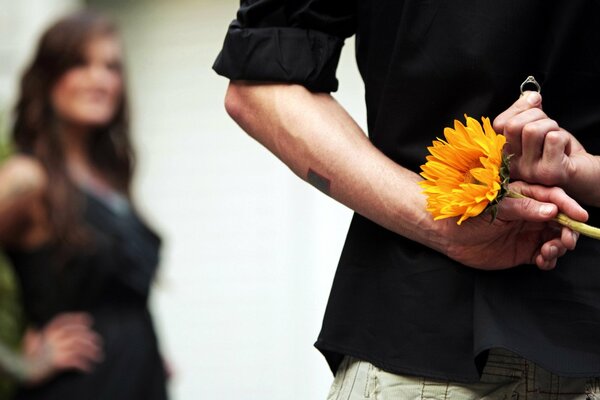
[506, 376]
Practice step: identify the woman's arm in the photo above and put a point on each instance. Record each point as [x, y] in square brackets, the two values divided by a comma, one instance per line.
[322, 144]
[22, 190]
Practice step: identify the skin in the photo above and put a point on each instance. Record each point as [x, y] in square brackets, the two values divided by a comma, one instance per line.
[88, 94]
[66, 342]
[85, 97]
[546, 153]
[312, 132]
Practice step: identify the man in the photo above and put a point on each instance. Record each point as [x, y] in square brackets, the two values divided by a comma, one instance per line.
[423, 309]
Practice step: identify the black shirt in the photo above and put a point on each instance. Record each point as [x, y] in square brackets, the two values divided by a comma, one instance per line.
[394, 302]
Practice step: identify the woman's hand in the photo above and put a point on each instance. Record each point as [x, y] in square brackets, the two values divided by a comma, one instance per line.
[67, 342]
[522, 233]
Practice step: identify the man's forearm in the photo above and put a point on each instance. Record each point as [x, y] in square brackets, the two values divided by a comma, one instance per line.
[322, 144]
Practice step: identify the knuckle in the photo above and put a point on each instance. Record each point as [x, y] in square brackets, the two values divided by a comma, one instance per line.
[512, 126]
[537, 113]
[531, 129]
[554, 137]
[528, 204]
[558, 191]
[498, 123]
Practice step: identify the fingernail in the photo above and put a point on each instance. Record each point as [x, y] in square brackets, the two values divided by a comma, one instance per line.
[553, 251]
[534, 98]
[575, 236]
[546, 210]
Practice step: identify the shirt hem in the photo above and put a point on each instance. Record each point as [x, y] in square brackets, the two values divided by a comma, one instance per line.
[392, 368]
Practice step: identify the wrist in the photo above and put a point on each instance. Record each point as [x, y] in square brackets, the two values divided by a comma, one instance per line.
[581, 181]
[436, 235]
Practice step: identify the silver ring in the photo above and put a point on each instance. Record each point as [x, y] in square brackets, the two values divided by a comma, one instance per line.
[531, 79]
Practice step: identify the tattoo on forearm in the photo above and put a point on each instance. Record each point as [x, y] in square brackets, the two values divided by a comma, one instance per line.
[319, 181]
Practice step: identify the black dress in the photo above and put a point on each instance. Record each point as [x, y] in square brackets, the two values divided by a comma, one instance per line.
[110, 279]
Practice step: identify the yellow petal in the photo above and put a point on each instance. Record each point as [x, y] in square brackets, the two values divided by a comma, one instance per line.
[462, 172]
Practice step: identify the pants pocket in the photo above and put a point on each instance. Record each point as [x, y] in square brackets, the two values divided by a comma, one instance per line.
[351, 381]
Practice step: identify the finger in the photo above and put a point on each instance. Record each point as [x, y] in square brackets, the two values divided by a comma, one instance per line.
[513, 129]
[548, 255]
[544, 264]
[64, 319]
[71, 331]
[555, 147]
[526, 209]
[87, 351]
[554, 196]
[69, 325]
[84, 339]
[569, 238]
[533, 138]
[76, 362]
[553, 249]
[525, 102]
[550, 252]
[80, 348]
[87, 345]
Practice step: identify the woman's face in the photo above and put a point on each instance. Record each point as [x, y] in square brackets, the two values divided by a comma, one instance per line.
[89, 94]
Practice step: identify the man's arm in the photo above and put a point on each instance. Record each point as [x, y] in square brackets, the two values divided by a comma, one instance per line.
[322, 144]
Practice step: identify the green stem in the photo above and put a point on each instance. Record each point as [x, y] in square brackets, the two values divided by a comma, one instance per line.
[577, 226]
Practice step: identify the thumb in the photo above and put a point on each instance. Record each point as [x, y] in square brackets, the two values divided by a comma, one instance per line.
[526, 209]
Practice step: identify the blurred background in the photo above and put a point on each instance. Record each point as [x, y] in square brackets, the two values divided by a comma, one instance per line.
[250, 250]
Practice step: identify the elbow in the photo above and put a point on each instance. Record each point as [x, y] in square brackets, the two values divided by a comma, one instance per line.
[248, 105]
[235, 102]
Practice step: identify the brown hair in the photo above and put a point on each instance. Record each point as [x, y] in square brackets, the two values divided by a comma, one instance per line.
[35, 130]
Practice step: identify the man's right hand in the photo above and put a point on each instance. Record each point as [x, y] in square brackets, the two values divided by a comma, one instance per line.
[523, 232]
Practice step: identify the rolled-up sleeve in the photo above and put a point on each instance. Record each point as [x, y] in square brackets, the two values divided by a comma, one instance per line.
[292, 41]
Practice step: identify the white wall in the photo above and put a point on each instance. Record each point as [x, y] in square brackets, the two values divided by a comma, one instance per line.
[21, 22]
[250, 250]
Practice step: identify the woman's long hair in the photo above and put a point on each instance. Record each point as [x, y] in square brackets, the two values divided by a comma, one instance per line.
[36, 133]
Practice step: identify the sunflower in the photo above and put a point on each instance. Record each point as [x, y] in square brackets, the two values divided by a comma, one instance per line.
[466, 173]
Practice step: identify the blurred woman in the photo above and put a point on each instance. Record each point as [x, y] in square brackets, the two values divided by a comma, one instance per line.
[68, 222]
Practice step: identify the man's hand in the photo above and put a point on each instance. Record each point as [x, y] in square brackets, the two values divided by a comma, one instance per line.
[523, 232]
[545, 153]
